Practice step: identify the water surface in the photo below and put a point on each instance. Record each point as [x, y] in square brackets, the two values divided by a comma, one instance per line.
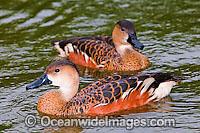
[169, 30]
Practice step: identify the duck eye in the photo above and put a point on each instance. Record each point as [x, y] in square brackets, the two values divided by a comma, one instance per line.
[57, 70]
[122, 29]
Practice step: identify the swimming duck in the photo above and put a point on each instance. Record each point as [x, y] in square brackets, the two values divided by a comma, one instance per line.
[119, 52]
[105, 96]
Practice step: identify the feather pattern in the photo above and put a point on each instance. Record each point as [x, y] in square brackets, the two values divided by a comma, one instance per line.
[107, 95]
[92, 51]
[119, 52]
[119, 92]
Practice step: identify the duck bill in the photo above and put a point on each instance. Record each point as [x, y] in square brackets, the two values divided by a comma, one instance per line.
[134, 42]
[43, 80]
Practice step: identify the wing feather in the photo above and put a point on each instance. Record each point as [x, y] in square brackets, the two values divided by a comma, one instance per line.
[98, 48]
[119, 92]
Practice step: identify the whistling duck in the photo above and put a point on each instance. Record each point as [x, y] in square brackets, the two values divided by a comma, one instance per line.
[107, 95]
[119, 52]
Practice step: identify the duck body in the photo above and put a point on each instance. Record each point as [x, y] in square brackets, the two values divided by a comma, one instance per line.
[105, 96]
[119, 52]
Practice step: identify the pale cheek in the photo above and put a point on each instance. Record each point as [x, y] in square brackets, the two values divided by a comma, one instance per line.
[57, 83]
[59, 80]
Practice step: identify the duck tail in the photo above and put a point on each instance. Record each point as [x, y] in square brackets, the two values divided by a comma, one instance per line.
[162, 85]
[150, 88]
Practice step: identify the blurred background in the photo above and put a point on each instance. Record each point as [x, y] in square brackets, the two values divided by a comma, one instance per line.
[170, 31]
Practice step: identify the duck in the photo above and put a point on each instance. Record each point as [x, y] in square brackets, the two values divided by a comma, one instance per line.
[103, 97]
[119, 52]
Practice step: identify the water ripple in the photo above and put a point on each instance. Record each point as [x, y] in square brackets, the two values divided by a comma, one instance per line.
[15, 16]
[38, 18]
[169, 30]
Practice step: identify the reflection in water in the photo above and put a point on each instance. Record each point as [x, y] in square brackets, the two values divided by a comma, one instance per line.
[168, 29]
[63, 129]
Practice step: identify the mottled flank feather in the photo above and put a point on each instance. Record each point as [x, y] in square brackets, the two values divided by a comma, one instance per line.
[118, 92]
[93, 51]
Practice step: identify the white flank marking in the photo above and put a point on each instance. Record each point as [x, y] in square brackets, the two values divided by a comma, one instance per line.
[103, 62]
[100, 66]
[69, 45]
[126, 93]
[86, 57]
[92, 61]
[75, 47]
[62, 53]
[151, 91]
[101, 104]
[138, 83]
[78, 51]
[66, 51]
[147, 82]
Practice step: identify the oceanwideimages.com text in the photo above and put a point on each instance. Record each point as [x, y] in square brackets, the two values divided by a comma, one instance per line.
[128, 123]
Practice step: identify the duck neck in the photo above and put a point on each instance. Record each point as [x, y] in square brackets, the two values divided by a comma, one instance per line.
[122, 49]
[69, 89]
[120, 41]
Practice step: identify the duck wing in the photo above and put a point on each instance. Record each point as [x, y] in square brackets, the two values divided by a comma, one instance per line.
[132, 91]
[92, 51]
[129, 91]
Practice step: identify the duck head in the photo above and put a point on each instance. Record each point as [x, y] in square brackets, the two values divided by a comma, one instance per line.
[63, 74]
[124, 36]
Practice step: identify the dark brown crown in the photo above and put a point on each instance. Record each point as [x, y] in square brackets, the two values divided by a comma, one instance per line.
[127, 25]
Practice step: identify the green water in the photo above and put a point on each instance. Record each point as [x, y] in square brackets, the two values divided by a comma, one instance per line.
[170, 31]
